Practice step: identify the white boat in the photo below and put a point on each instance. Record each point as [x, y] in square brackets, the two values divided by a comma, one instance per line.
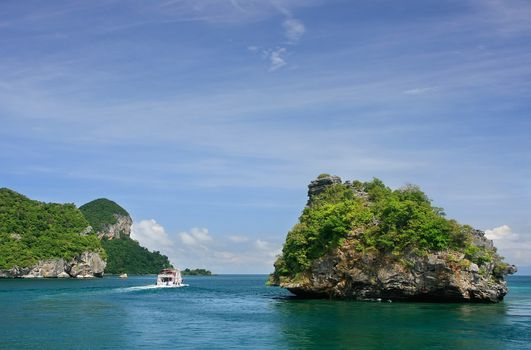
[169, 278]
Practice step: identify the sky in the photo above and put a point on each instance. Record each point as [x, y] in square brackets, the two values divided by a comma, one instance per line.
[207, 119]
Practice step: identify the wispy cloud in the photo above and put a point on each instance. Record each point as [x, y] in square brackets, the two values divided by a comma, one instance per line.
[276, 57]
[238, 239]
[271, 249]
[294, 29]
[231, 11]
[419, 91]
[503, 17]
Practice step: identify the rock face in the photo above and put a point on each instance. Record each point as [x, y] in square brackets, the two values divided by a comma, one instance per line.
[87, 264]
[121, 228]
[107, 219]
[347, 271]
[347, 274]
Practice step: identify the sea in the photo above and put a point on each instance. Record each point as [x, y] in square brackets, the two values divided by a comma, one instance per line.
[241, 312]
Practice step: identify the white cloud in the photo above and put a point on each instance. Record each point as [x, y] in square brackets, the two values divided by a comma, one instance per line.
[419, 91]
[232, 11]
[513, 246]
[294, 29]
[262, 245]
[227, 257]
[270, 249]
[277, 60]
[238, 239]
[196, 237]
[197, 248]
[502, 232]
[505, 17]
[187, 239]
[151, 235]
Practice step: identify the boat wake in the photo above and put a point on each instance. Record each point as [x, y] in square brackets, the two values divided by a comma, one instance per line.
[151, 286]
[171, 286]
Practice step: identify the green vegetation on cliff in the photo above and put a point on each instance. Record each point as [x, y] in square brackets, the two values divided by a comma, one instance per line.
[196, 272]
[373, 217]
[101, 212]
[31, 230]
[127, 255]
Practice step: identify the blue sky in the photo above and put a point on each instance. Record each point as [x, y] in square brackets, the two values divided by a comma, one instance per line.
[207, 119]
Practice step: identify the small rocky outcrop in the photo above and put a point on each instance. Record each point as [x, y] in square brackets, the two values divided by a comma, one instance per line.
[352, 266]
[85, 265]
[322, 182]
[88, 264]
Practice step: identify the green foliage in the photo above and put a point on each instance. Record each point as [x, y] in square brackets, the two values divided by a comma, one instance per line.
[478, 255]
[332, 215]
[323, 175]
[196, 272]
[384, 220]
[101, 213]
[406, 219]
[32, 231]
[126, 255]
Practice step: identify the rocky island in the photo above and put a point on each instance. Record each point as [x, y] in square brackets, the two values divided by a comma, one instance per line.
[364, 241]
[51, 240]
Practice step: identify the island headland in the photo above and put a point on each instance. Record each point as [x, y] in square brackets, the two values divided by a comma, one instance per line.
[50, 240]
[365, 241]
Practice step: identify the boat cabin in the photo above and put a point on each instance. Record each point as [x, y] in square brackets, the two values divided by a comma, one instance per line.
[169, 277]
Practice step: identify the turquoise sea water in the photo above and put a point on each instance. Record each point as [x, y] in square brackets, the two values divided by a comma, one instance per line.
[235, 311]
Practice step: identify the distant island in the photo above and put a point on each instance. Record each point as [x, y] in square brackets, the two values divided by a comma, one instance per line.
[362, 240]
[61, 241]
[196, 272]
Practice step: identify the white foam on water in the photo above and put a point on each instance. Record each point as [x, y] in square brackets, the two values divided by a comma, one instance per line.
[151, 286]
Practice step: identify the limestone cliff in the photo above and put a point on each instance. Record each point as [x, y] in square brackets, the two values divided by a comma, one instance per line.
[364, 241]
[121, 228]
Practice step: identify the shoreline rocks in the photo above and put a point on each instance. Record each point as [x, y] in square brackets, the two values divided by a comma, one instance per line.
[85, 265]
[437, 277]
